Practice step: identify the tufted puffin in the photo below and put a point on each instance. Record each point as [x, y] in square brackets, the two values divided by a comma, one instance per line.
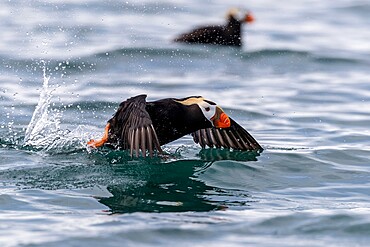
[229, 34]
[141, 126]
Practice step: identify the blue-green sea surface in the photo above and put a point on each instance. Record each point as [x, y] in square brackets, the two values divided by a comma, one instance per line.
[300, 84]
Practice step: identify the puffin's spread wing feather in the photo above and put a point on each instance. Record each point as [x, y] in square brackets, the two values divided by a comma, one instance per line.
[235, 137]
[134, 127]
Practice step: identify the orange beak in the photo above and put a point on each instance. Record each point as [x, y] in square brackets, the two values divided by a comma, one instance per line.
[249, 18]
[221, 120]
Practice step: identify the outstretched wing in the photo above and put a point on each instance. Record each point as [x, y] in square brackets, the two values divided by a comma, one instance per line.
[132, 128]
[235, 137]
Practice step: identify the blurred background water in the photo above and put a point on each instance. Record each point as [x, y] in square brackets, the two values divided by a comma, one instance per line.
[300, 84]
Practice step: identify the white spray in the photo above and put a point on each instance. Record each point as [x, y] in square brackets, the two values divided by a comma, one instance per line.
[44, 131]
[44, 123]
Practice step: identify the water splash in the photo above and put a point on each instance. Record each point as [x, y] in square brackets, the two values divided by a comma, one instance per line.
[44, 131]
[43, 123]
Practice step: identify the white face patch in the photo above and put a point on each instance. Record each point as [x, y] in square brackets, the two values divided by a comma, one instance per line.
[208, 110]
[207, 107]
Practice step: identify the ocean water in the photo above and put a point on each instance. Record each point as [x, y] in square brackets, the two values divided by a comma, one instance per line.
[300, 85]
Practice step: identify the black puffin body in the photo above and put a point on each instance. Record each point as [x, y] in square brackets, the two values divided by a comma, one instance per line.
[141, 126]
[228, 35]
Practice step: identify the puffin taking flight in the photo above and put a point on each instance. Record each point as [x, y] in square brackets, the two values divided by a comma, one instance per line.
[142, 126]
[229, 34]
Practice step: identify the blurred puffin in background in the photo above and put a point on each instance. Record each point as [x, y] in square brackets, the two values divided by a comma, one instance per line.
[228, 35]
[142, 127]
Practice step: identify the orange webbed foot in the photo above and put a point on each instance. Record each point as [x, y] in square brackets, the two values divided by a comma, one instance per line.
[98, 143]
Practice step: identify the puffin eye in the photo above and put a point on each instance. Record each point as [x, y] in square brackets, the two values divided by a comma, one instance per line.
[207, 108]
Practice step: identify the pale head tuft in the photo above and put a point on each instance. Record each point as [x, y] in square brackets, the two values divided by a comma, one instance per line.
[233, 12]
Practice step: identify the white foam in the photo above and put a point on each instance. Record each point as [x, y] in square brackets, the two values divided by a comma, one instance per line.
[44, 130]
[44, 121]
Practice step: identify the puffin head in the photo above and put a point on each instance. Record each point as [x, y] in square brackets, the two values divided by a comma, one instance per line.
[210, 110]
[235, 13]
